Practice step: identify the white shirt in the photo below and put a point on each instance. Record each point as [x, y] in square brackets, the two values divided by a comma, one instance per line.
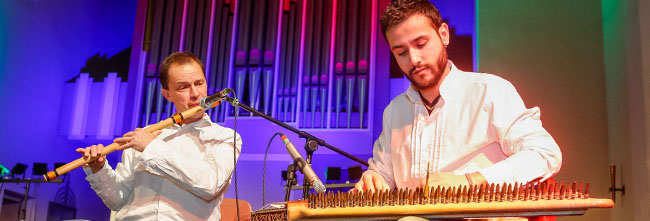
[479, 124]
[183, 174]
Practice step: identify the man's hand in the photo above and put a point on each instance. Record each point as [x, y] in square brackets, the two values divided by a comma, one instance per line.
[371, 181]
[92, 152]
[137, 139]
[449, 179]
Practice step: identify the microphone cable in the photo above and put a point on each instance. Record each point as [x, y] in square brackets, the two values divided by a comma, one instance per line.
[234, 153]
[264, 170]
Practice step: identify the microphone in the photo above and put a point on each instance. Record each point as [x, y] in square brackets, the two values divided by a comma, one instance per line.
[207, 102]
[223, 93]
[305, 168]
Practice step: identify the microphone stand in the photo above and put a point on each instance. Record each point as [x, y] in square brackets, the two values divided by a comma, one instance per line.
[310, 147]
[291, 180]
[311, 144]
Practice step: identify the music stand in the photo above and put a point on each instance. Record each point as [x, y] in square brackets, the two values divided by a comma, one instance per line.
[18, 170]
[333, 173]
[39, 169]
[354, 173]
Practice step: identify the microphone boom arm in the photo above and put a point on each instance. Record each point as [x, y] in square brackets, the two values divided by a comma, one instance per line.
[301, 134]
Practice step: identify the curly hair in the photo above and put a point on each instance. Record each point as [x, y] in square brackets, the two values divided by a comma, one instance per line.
[400, 10]
[176, 58]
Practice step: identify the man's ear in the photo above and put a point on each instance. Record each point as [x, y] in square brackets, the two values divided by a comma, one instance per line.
[165, 94]
[443, 31]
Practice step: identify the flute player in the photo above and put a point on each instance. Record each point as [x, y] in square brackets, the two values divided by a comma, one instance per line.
[178, 173]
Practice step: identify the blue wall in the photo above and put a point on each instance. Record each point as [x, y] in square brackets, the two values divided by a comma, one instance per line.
[43, 44]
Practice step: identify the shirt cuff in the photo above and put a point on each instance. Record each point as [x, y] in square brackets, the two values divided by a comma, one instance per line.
[153, 153]
[94, 177]
[498, 173]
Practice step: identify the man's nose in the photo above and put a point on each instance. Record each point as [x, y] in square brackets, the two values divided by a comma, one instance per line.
[194, 92]
[415, 58]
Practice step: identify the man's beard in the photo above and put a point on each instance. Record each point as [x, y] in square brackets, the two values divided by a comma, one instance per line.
[436, 70]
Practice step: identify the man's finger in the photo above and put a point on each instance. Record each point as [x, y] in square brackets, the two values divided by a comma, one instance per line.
[125, 146]
[368, 183]
[368, 186]
[157, 133]
[93, 151]
[122, 139]
[385, 186]
[379, 182]
[358, 186]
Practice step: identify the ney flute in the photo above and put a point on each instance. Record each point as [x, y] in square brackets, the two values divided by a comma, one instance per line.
[206, 103]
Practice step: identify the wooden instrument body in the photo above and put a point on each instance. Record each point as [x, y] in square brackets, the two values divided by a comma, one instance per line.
[475, 201]
[298, 210]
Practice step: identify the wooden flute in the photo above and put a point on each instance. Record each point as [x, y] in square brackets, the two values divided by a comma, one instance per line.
[206, 103]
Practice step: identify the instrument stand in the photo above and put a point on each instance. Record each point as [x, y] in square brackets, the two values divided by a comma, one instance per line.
[291, 180]
[23, 210]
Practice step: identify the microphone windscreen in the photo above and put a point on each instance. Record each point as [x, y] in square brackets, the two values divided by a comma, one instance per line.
[319, 187]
